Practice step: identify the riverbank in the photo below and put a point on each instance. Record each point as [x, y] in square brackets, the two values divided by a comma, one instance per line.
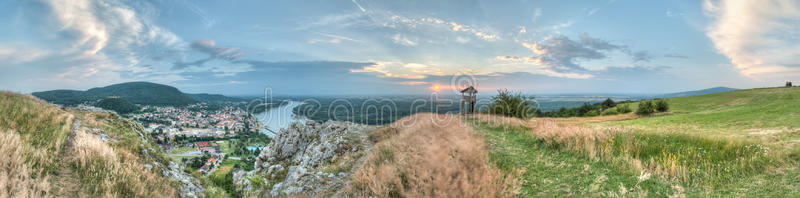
[278, 118]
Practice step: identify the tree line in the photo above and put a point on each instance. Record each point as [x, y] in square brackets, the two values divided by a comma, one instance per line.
[515, 104]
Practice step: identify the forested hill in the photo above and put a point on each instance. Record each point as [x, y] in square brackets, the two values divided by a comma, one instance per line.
[142, 93]
[204, 97]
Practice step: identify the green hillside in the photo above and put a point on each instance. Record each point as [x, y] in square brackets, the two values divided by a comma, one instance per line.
[119, 105]
[143, 93]
[731, 113]
[740, 143]
[51, 152]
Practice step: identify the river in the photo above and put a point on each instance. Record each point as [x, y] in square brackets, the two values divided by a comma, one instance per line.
[279, 118]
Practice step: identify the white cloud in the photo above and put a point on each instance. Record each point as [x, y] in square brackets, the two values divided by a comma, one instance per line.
[591, 12]
[483, 33]
[17, 54]
[359, 6]
[761, 38]
[536, 14]
[91, 43]
[403, 40]
[100, 24]
[332, 41]
[400, 70]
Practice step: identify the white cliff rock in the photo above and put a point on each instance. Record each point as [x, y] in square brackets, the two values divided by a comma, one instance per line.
[295, 154]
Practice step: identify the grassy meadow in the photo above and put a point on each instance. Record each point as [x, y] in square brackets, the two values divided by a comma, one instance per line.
[727, 144]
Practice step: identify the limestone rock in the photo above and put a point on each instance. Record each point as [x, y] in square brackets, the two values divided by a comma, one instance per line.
[190, 186]
[302, 148]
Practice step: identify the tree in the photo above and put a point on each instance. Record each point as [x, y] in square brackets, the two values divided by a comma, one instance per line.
[608, 103]
[645, 108]
[788, 84]
[512, 104]
[662, 106]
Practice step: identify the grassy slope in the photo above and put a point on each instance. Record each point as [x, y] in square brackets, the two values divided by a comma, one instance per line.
[726, 144]
[769, 117]
[549, 172]
[63, 166]
[728, 114]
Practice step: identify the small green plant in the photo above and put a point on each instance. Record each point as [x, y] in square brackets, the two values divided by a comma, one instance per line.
[645, 108]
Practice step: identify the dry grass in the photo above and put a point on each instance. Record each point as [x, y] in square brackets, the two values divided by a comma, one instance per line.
[382, 134]
[40, 159]
[17, 178]
[431, 156]
[691, 160]
[108, 172]
[42, 126]
[501, 120]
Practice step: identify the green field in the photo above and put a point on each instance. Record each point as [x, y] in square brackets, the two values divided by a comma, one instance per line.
[737, 113]
[548, 172]
[740, 143]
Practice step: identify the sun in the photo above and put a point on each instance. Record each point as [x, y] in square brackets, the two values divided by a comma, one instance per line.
[436, 87]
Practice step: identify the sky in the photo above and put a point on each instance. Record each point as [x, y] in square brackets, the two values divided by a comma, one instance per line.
[364, 47]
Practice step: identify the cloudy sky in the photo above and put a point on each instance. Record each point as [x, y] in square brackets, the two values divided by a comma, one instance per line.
[399, 47]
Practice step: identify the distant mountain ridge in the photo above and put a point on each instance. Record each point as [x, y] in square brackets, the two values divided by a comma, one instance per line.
[142, 93]
[204, 97]
[698, 92]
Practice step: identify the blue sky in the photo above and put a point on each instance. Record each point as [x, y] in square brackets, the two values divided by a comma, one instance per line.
[400, 47]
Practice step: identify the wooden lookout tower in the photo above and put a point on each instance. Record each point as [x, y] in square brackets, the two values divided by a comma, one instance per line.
[468, 97]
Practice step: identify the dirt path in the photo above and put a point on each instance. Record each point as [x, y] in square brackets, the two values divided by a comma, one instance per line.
[67, 182]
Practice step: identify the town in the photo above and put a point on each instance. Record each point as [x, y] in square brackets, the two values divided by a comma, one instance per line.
[204, 135]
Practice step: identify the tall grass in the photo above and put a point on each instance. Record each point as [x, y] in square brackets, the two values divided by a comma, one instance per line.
[17, 178]
[430, 159]
[106, 172]
[41, 159]
[44, 127]
[688, 159]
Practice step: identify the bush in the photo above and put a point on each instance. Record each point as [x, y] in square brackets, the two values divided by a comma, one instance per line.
[612, 111]
[595, 112]
[512, 104]
[662, 106]
[645, 108]
[624, 109]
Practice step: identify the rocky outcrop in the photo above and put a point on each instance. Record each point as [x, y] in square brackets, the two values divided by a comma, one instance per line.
[190, 186]
[309, 158]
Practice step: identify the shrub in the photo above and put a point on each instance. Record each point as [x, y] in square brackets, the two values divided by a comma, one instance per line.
[624, 108]
[512, 104]
[662, 106]
[612, 111]
[594, 112]
[645, 108]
